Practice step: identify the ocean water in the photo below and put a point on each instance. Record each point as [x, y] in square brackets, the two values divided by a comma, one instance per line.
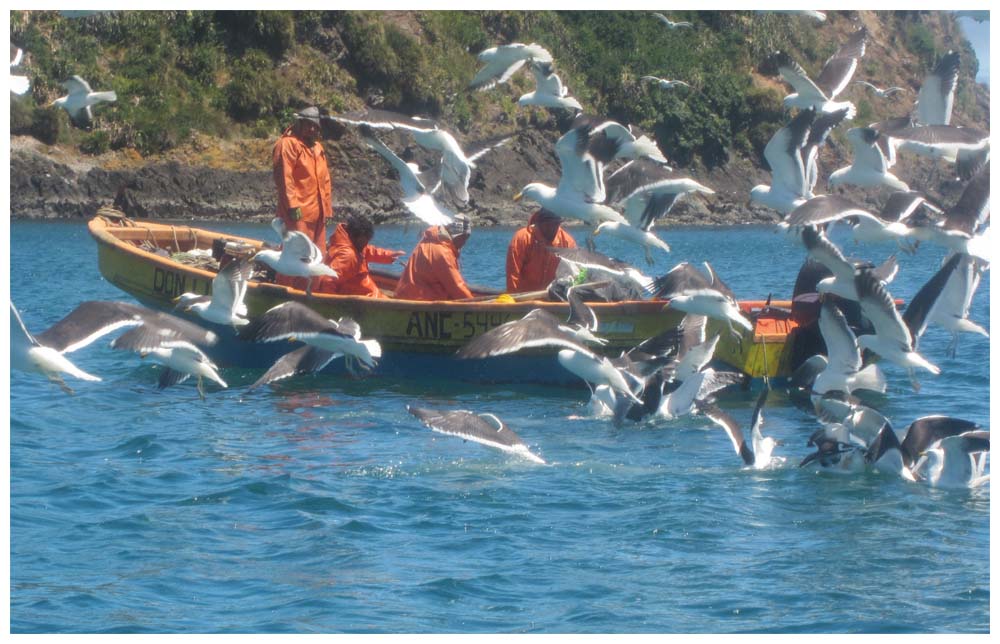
[321, 505]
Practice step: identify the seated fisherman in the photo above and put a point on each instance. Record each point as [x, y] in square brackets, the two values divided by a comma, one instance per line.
[348, 253]
[432, 272]
[530, 264]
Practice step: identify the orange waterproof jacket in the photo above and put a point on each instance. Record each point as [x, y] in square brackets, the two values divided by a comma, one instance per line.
[530, 265]
[302, 178]
[353, 277]
[432, 272]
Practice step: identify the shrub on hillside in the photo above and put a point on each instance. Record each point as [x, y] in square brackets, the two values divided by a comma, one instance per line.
[49, 125]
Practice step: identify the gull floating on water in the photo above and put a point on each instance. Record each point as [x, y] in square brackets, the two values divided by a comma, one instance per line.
[80, 99]
[951, 462]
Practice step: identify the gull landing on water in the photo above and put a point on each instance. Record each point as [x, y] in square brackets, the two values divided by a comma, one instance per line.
[485, 429]
[294, 321]
[758, 454]
[28, 354]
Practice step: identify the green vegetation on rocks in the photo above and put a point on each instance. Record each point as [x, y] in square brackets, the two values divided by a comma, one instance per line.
[235, 74]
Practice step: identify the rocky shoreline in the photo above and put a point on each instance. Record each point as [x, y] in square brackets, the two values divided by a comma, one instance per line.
[50, 183]
[192, 184]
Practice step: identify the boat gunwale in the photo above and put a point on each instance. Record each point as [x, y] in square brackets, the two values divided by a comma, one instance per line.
[102, 231]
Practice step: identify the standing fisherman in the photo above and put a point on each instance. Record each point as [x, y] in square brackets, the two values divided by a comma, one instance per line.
[302, 178]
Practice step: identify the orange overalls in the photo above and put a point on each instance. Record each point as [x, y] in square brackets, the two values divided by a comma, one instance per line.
[432, 272]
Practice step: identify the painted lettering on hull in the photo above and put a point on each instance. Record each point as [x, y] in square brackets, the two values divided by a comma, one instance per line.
[448, 325]
[172, 283]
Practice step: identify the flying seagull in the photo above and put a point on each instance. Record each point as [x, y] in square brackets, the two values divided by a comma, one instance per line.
[80, 99]
[298, 257]
[86, 323]
[455, 165]
[18, 84]
[892, 338]
[295, 321]
[937, 94]
[869, 167]
[503, 61]
[549, 89]
[670, 24]
[784, 154]
[881, 93]
[665, 83]
[416, 197]
[844, 370]
[832, 80]
[225, 304]
[945, 300]
[28, 354]
[648, 190]
[584, 150]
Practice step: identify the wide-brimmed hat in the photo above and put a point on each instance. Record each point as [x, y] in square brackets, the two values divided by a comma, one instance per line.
[309, 114]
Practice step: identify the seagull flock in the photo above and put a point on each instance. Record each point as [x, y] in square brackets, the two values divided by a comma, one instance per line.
[668, 376]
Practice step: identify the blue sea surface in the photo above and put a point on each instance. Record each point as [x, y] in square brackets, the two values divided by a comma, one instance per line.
[320, 505]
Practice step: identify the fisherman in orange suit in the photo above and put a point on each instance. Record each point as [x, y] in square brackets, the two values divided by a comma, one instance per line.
[432, 272]
[349, 253]
[302, 178]
[531, 266]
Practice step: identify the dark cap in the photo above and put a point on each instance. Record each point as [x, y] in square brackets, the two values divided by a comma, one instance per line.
[309, 114]
[547, 215]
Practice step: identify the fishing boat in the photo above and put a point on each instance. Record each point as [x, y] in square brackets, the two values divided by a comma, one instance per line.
[155, 262]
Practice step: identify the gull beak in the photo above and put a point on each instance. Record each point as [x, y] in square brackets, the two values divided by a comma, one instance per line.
[292, 338]
[518, 196]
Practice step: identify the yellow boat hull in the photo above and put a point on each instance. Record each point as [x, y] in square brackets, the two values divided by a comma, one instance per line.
[136, 257]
